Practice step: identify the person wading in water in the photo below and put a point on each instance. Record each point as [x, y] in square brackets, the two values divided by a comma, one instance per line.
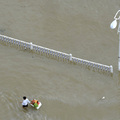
[25, 102]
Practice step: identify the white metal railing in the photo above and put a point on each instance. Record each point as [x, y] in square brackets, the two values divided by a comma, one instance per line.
[54, 53]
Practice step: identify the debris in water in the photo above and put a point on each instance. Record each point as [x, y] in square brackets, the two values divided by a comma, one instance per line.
[103, 97]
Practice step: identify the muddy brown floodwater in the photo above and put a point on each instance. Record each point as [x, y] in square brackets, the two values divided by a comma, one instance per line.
[67, 91]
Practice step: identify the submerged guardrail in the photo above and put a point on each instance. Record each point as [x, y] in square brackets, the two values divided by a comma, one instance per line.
[54, 53]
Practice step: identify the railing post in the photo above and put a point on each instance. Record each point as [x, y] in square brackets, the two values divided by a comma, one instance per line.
[111, 68]
[31, 46]
[70, 57]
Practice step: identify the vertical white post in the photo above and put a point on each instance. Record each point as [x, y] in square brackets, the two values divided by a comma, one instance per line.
[70, 57]
[111, 68]
[119, 54]
[119, 47]
[31, 46]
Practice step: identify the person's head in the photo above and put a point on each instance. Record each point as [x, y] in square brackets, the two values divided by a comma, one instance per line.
[24, 97]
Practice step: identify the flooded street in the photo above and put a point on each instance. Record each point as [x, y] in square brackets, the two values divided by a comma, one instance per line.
[67, 91]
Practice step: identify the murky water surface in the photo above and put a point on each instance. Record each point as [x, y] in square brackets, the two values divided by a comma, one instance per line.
[67, 91]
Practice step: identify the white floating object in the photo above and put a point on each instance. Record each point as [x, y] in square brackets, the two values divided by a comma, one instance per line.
[103, 97]
[113, 24]
[39, 105]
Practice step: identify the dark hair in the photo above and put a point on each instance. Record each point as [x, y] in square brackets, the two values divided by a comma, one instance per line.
[24, 97]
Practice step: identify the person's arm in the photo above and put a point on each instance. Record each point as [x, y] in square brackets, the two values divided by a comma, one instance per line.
[28, 101]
